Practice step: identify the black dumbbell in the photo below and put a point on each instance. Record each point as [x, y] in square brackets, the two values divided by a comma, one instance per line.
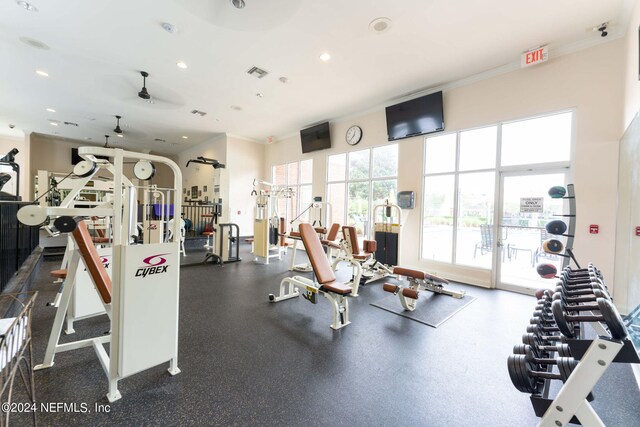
[583, 290]
[589, 269]
[544, 347]
[544, 335]
[608, 314]
[589, 298]
[534, 355]
[542, 318]
[525, 375]
[579, 284]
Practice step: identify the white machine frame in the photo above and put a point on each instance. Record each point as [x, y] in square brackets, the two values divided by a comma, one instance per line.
[289, 288]
[316, 210]
[144, 307]
[266, 216]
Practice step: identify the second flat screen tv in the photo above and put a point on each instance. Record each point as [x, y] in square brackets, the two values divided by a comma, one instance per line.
[315, 138]
[415, 117]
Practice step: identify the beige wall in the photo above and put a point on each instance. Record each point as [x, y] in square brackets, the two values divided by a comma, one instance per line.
[632, 68]
[627, 270]
[7, 143]
[202, 175]
[244, 164]
[588, 81]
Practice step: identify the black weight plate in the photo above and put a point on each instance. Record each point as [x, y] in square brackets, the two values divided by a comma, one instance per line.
[612, 319]
[558, 314]
[566, 365]
[563, 350]
[65, 224]
[519, 349]
[556, 227]
[514, 373]
[530, 339]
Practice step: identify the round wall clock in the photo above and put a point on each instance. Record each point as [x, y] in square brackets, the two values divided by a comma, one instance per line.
[353, 135]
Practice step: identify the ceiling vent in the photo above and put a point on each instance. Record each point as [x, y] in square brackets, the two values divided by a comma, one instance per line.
[257, 72]
[71, 124]
[160, 140]
[201, 113]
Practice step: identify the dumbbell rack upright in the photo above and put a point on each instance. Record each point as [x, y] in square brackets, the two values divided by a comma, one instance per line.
[571, 403]
[571, 232]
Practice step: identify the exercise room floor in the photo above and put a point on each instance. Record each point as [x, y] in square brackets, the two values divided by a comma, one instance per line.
[249, 362]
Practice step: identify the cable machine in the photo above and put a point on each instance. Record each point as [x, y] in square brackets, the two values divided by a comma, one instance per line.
[268, 226]
[225, 240]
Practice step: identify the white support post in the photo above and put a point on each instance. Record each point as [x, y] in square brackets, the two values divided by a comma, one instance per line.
[571, 399]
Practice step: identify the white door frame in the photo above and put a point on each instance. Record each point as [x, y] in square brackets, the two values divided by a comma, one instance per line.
[526, 170]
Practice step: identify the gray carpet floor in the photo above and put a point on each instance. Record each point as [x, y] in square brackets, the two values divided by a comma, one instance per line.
[248, 362]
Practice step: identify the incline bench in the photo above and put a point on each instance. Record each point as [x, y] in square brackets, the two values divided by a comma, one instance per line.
[326, 284]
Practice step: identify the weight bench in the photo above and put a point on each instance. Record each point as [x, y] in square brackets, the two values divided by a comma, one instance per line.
[418, 280]
[296, 237]
[324, 285]
[366, 268]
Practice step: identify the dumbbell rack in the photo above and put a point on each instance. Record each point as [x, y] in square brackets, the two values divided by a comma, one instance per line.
[571, 404]
[589, 359]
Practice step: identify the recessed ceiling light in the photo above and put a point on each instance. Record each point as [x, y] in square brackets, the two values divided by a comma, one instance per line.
[169, 28]
[34, 43]
[150, 101]
[181, 64]
[42, 73]
[260, 95]
[325, 57]
[237, 108]
[185, 137]
[283, 80]
[380, 25]
[120, 135]
[53, 123]
[51, 110]
[27, 6]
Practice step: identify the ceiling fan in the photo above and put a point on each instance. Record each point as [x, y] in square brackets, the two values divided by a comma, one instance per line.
[144, 94]
[117, 129]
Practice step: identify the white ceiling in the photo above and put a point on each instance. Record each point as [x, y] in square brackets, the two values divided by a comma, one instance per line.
[98, 48]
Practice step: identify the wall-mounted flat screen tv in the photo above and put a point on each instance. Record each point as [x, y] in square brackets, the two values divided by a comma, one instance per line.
[315, 138]
[75, 157]
[415, 117]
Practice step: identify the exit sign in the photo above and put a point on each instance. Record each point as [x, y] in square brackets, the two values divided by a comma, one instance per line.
[534, 56]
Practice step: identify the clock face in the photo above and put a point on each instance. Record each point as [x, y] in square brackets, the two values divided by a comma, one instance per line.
[354, 135]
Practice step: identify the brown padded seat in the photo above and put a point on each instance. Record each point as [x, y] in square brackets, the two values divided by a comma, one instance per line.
[417, 274]
[330, 243]
[319, 262]
[295, 234]
[333, 232]
[100, 239]
[338, 288]
[60, 274]
[349, 231]
[96, 270]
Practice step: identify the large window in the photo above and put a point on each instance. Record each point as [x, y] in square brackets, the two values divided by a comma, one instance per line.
[360, 180]
[460, 177]
[297, 176]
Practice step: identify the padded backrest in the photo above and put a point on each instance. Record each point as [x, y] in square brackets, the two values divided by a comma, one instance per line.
[349, 233]
[97, 272]
[282, 230]
[333, 232]
[315, 252]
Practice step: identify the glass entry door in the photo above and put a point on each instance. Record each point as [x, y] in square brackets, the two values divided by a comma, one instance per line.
[525, 208]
